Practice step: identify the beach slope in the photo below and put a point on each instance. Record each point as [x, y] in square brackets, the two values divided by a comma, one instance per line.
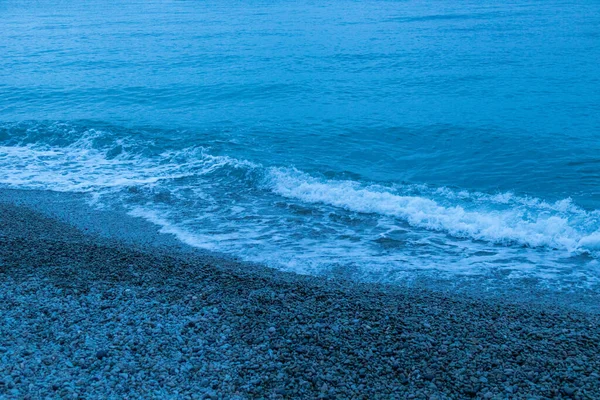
[84, 316]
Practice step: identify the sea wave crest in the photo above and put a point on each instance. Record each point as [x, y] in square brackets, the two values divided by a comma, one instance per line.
[512, 221]
[69, 158]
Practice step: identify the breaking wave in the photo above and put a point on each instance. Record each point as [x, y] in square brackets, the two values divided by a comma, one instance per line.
[62, 157]
[502, 219]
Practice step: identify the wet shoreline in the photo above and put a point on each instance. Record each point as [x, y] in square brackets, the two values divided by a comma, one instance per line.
[86, 315]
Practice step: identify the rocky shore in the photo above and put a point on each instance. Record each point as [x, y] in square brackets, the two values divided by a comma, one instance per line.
[82, 316]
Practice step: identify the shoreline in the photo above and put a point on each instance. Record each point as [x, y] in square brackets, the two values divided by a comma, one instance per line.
[86, 315]
[115, 225]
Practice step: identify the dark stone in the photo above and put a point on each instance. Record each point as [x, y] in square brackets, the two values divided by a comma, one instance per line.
[569, 391]
[301, 349]
[100, 354]
[429, 376]
[281, 391]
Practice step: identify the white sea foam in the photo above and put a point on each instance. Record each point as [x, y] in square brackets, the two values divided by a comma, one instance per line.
[534, 226]
[79, 167]
[507, 219]
[166, 226]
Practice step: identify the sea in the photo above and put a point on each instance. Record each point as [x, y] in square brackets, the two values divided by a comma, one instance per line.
[377, 140]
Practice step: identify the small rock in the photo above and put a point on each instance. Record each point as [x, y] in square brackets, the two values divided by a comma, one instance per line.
[255, 382]
[301, 349]
[281, 391]
[100, 354]
[210, 395]
[568, 390]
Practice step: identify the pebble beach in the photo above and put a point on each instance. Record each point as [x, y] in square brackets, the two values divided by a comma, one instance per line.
[86, 316]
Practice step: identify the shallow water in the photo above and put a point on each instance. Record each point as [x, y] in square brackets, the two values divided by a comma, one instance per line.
[384, 139]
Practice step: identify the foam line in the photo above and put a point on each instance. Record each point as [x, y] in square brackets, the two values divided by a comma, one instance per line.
[516, 225]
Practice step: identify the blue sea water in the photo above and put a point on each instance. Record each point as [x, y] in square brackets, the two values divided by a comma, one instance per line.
[379, 139]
